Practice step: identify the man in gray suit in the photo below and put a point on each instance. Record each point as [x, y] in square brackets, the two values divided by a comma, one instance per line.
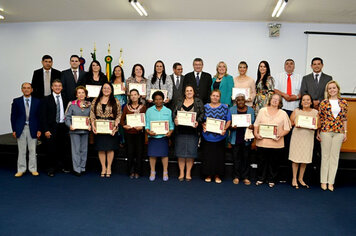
[177, 80]
[314, 83]
[70, 78]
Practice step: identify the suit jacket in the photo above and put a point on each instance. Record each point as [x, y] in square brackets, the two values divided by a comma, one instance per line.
[18, 116]
[309, 86]
[49, 111]
[38, 84]
[204, 89]
[69, 84]
[177, 92]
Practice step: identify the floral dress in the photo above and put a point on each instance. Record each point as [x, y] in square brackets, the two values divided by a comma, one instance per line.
[263, 94]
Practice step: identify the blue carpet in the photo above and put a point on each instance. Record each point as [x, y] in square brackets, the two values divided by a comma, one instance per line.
[89, 205]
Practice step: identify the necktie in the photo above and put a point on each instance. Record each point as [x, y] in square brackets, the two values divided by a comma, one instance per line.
[27, 110]
[177, 82]
[197, 79]
[47, 84]
[316, 80]
[75, 76]
[58, 112]
[289, 85]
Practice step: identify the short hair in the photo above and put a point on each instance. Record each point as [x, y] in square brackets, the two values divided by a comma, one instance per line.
[26, 83]
[243, 63]
[133, 70]
[47, 57]
[157, 93]
[216, 91]
[317, 59]
[175, 65]
[198, 59]
[289, 59]
[301, 99]
[240, 95]
[56, 81]
[326, 94]
[81, 87]
[74, 56]
[280, 104]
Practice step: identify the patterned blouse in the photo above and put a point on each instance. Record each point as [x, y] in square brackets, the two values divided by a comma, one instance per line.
[327, 120]
[107, 114]
[263, 94]
[221, 112]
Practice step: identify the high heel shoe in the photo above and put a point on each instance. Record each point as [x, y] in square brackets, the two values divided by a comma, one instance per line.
[103, 172]
[108, 173]
[331, 188]
[165, 176]
[259, 183]
[295, 186]
[304, 185]
[152, 176]
[323, 187]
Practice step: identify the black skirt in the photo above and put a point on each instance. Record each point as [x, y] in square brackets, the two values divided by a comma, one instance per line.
[106, 142]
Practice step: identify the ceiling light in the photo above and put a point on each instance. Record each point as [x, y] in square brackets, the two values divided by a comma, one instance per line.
[1, 17]
[281, 4]
[138, 7]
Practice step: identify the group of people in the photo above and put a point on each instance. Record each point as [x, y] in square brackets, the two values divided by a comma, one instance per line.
[48, 104]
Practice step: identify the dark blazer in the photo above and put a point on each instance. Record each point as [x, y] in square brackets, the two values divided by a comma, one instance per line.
[177, 92]
[18, 116]
[38, 84]
[69, 83]
[203, 92]
[309, 86]
[48, 113]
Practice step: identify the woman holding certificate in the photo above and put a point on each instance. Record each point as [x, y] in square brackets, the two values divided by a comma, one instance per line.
[118, 81]
[242, 117]
[271, 125]
[305, 120]
[159, 127]
[188, 113]
[224, 83]
[159, 81]
[77, 119]
[217, 120]
[264, 86]
[137, 81]
[105, 114]
[133, 122]
[244, 82]
[333, 132]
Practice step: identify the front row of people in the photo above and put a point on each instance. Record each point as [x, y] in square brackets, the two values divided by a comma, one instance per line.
[30, 120]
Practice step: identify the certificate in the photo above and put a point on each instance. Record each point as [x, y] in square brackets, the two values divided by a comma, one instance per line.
[136, 120]
[80, 122]
[186, 118]
[308, 122]
[141, 88]
[268, 131]
[93, 90]
[241, 120]
[236, 91]
[104, 126]
[119, 88]
[160, 127]
[215, 125]
[165, 93]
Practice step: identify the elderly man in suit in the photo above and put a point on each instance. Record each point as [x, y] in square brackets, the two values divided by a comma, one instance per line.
[314, 83]
[177, 80]
[25, 115]
[54, 129]
[43, 78]
[70, 78]
[201, 81]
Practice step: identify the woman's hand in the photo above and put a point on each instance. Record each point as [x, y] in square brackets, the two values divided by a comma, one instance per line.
[345, 137]
[151, 133]
[138, 128]
[258, 136]
[169, 133]
[196, 124]
[204, 127]
[71, 128]
[126, 127]
[318, 137]
[94, 129]
[223, 132]
[176, 121]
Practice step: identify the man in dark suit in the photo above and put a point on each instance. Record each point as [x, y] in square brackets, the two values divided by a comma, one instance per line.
[56, 137]
[177, 81]
[70, 78]
[25, 117]
[314, 83]
[43, 78]
[201, 81]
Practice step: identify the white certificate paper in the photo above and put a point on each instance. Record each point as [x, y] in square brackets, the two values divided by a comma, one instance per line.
[93, 90]
[119, 89]
[241, 120]
[236, 91]
[160, 127]
[165, 93]
[80, 122]
[308, 122]
[136, 120]
[215, 125]
[104, 126]
[141, 88]
[268, 131]
[186, 118]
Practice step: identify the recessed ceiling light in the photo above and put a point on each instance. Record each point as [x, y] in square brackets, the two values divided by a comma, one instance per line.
[1, 9]
[2, 17]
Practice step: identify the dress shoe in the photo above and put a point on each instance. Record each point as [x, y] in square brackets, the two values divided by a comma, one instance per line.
[35, 173]
[19, 174]
[165, 176]
[137, 176]
[208, 179]
[331, 187]
[246, 182]
[77, 174]
[64, 170]
[50, 173]
[323, 187]
[153, 176]
[236, 181]
[217, 180]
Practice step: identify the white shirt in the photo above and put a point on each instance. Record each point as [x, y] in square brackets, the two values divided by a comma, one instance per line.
[319, 75]
[195, 73]
[176, 79]
[61, 107]
[281, 82]
[77, 72]
[335, 108]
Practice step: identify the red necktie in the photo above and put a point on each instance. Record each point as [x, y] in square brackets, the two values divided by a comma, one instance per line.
[289, 85]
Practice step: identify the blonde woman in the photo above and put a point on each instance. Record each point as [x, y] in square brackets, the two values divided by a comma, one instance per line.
[223, 82]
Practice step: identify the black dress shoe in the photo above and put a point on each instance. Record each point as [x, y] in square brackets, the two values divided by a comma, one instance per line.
[76, 174]
[64, 170]
[50, 173]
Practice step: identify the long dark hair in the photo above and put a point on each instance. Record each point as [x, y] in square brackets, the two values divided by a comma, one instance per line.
[185, 87]
[311, 100]
[90, 72]
[113, 77]
[111, 101]
[133, 75]
[139, 98]
[154, 77]
[265, 77]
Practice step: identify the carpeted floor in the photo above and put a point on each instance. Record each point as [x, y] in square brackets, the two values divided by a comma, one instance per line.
[89, 205]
